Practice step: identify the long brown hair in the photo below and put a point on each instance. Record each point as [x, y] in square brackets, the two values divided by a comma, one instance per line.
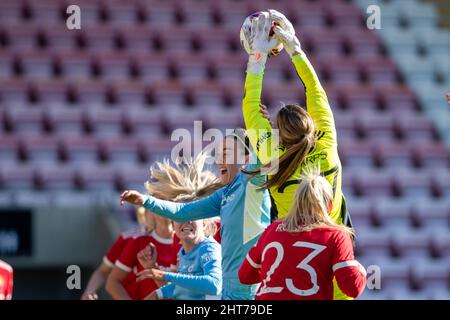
[310, 207]
[297, 137]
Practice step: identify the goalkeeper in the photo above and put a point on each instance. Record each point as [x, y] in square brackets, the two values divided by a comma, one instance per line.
[307, 137]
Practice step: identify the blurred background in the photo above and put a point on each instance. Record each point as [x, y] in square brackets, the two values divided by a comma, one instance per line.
[83, 114]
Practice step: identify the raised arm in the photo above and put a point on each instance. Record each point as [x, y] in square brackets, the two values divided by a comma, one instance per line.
[316, 99]
[258, 127]
[181, 212]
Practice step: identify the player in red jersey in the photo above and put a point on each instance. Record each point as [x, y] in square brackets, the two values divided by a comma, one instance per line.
[98, 278]
[298, 257]
[161, 240]
[6, 281]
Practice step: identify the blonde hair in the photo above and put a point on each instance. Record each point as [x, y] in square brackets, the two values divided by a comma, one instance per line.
[210, 227]
[183, 181]
[310, 207]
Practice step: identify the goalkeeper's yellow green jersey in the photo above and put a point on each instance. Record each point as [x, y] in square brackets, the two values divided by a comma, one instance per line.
[324, 152]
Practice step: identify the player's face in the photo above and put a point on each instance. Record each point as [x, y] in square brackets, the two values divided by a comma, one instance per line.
[229, 160]
[189, 231]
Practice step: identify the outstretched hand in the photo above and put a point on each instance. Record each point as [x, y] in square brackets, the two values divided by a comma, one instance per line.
[147, 256]
[133, 197]
[284, 31]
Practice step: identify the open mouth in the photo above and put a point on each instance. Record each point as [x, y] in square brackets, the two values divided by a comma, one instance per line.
[223, 171]
[187, 229]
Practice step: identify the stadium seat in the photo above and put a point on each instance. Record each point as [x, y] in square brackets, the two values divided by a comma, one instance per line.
[105, 122]
[99, 38]
[7, 60]
[128, 93]
[189, 67]
[169, 93]
[413, 184]
[50, 91]
[74, 65]
[431, 213]
[9, 149]
[145, 123]
[376, 126]
[182, 118]
[441, 178]
[326, 44]
[356, 154]
[11, 11]
[25, 121]
[361, 212]
[228, 68]
[59, 39]
[206, 94]
[41, 149]
[136, 39]
[113, 66]
[432, 155]
[22, 36]
[152, 67]
[17, 177]
[90, 91]
[73, 199]
[160, 14]
[195, 14]
[56, 178]
[394, 155]
[411, 243]
[372, 243]
[97, 178]
[14, 90]
[66, 121]
[134, 178]
[120, 151]
[174, 39]
[346, 128]
[213, 41]
[359, 98]
[415, 128]
[46, 10]
[374, 183]
[362, 43]
[433, 274]
[343, 72]
[398, 98]
[121, 13]
[155, 149]
[392, 213]
[80, 149]
[379, 72]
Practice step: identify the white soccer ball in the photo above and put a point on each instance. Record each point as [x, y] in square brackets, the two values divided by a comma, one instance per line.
[245, 32]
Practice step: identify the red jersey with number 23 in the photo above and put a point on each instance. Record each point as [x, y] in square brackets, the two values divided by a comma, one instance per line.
[302, 265]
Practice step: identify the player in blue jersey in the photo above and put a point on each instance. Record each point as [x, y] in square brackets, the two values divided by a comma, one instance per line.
[199, 273]
[243, 207]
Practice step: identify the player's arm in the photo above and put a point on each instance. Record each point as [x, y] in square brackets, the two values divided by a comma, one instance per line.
[349, 273]
[164, 292]
[249, 272]
[100, 275]
[258, 127]
[181, 212]
[114, 284]
[210, 283]
[96, 281]
[316, 98]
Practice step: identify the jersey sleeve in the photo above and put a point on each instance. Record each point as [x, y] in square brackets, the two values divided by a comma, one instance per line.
[128, 258]
[349, 273]
[166, 292]
[317, 103]
[114, 252]
[181, 212]
[259, 129]
[210, 283]
[249, 272]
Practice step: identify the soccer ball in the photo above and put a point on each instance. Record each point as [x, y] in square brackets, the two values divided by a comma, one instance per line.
[245, 32]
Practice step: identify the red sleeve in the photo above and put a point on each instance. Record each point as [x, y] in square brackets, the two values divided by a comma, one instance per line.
[217, 235]
[249, 272]
[128, 258]
[114, 252]
[350, 274]
[6, 281]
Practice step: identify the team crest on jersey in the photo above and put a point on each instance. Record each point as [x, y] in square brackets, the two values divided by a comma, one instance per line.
[227, 199]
